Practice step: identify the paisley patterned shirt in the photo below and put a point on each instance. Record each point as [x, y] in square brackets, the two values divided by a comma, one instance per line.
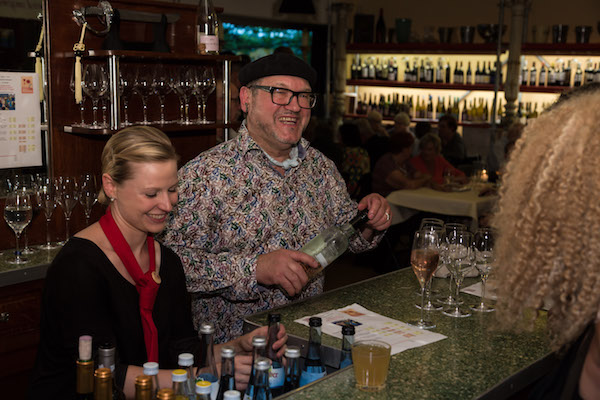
[234, 206]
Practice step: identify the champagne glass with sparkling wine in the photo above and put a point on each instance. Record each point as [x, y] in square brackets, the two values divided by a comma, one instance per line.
[424, 259]
[18, 212]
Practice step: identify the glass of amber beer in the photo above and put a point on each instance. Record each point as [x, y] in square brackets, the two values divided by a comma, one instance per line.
[371, 360]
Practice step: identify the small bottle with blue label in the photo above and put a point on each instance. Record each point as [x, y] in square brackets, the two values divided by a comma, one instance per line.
[277, 372]
[313, 366]
[347, 342]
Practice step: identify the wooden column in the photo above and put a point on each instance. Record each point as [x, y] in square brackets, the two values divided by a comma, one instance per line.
[341, 12]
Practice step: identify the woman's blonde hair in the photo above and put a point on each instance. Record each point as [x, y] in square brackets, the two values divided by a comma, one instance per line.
[431, 138]
[548, 245]
[133, 144]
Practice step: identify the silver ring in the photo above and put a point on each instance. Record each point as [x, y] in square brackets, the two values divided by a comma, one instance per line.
[387, 216]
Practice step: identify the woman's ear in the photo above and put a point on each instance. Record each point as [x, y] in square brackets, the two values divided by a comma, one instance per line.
[109, 186]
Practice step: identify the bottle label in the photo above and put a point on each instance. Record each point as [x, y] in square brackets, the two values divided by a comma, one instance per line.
[276, 377]
[321, 259]
[209, 42]
[308, 377]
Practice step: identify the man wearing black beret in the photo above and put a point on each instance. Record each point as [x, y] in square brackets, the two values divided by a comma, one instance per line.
[248, 205]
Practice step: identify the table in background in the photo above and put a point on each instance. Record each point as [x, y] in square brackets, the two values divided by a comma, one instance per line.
[466, 203]
[474, 361]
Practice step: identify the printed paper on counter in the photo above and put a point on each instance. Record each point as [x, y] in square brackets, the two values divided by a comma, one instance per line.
[372, 326]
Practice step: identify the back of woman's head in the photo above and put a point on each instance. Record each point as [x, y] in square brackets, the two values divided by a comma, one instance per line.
[400, 141]
[548, 243]
[433, 139]
[134, 144]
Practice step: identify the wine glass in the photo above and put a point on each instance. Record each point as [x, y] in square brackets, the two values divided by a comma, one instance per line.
[67, 195]
[143, 87]
[95, 85]
[208, 85]
[425, 222]
[88, 194]
[424, 259]
[126, 82]
[429, 306]
[160, 83]
[175, 87]
[82, 104]
[185, 86]
[17, 214]
[26, 183]
[483, 246]
[46, 200]
[460, 261]
[450, 231]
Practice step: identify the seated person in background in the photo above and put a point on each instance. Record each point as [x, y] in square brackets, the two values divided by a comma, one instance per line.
[375, 145]
[453, 147]
[392, 171]
[323, 140]
[430, 162]
[356, 163]
[113, 281]
[548, 247]
[421, 129]
[401, 124]
[375, 119]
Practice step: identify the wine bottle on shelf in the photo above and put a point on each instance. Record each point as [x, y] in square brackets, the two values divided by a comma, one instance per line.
[207, 28]
[313, 366]
[447, 72]
[456, 78]
[227, 381]
[380, 30]
[179, 377]
[371, 66]
[354, 69]
[589, 73]
[261, 379]
[469, 79]
[384, 70]
[464, 115]
[552, 75]
[489, 73]
[543, 75]
[392, 70]
[378, 69]
[524, 74]
[347, 342]
[276, 372]
[364, 69]
[332, 243]
[578, 77]
[292, 370]
[429, 114]
[85, 369]
[439, 72]
[259, 349]
[532, 75]
[567, 72]
[143, 388]
[209, 371]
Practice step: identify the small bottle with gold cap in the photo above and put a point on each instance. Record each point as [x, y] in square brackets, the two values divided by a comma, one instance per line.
[143, 387]
[165, 394]
[179, 377]
[85, 369]
[103, 384]
[203, 390]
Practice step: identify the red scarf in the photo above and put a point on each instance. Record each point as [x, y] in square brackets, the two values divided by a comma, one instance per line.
[146, 284]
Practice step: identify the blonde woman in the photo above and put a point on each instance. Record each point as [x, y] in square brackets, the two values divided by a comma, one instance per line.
[548, 250]
[113, 281]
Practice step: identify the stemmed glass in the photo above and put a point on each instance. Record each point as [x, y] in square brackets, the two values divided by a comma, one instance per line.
[207, 85]
[429, 306]
[460, 261]
[26, 183]
[185, 86]
[126, 82]
[174, 84]
[424, 259]
[46, 200]
[95, 85]
[160, 83]
[88, 195]
[82, 104]
[451, 230]
[483, 246]
[67, 194]
[143, 86]
[17, 214]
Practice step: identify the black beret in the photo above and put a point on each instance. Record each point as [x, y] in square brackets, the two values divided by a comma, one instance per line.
[278, 64]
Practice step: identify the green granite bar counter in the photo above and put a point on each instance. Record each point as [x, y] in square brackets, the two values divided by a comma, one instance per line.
[36, 268]
[474, 361]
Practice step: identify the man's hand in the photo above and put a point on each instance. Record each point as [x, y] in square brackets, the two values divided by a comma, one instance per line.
[282, 267]
[380, 214]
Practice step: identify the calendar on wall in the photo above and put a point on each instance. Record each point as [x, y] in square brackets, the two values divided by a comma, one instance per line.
[20, 134]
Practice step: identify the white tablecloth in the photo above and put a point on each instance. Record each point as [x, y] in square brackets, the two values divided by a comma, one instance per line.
[467, 203]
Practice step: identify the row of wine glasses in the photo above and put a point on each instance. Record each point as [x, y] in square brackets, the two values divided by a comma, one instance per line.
[186, 82]
[452, 245]
[28, 194]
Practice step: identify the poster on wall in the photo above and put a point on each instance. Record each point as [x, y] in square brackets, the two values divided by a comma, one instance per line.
[20, 135]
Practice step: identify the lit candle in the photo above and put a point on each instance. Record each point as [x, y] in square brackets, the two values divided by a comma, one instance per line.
[484, 176]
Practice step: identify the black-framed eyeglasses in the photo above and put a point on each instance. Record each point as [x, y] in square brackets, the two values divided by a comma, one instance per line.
[283, 97]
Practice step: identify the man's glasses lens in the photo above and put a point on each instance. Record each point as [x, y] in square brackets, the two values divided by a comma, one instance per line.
[283, 97]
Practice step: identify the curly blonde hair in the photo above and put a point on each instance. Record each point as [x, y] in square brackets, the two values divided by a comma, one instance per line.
[548, 244]
[133, 144]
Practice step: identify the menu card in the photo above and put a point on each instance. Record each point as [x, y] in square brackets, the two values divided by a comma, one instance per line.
[20, 135]
[372, 326]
